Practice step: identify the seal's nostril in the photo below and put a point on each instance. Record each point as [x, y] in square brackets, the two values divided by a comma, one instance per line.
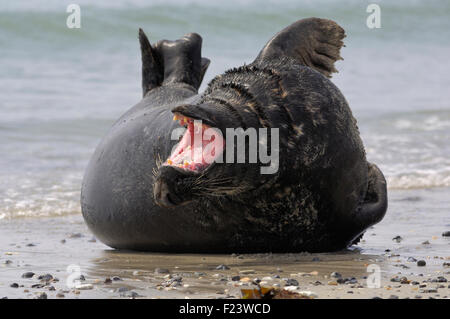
[162, 195]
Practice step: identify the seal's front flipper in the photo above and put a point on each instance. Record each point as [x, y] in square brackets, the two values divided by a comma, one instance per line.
[312, 42]
[152, 68]
[375, 202]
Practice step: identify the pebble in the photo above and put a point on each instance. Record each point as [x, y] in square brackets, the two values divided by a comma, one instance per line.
[75, 235]
[397, 239]
[222, 267]
[335, 275]
[421, 263]
[426, 242]
[46, 277]
[315, 259]
[60, 295]
[115, 278]
[332, 283]
[7, 262]
[291, 282]
[236, 278]
[108, 281]
[412, 259]
[446, 234]
[41, 295]
[14, 285]
[247, 272]
[28, 274]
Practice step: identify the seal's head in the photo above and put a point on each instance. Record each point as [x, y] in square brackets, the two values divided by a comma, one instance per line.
[199, 166]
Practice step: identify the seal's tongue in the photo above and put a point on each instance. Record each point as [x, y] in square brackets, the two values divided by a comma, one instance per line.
[198, 148]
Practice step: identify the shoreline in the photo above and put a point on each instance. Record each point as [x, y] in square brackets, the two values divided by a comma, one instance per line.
[48, 246]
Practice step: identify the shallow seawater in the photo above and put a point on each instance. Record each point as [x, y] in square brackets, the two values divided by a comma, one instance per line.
[61, 89]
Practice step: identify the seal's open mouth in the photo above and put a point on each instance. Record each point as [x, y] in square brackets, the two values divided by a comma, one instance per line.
[199, 147]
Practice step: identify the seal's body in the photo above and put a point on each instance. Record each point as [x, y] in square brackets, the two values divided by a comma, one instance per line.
[139, 193]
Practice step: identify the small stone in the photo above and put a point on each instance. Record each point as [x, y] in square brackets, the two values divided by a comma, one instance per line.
[108, 281]
[46, 277]
[116, 278]
[332, 283]
[63, 241]
[75, 235]
[28, 274]
[222, 267]
[14, 285]
[421, 263]
[7, 262]
[38, 286]
[291, 282]
[393, 297]
[236, 278]
[335, 275]
[426, 242]
[92, 240]
[397, 239]
[30, 245]
[446, 234]
[41, 295]
[412, 259]
[60, 295]
[315, 259]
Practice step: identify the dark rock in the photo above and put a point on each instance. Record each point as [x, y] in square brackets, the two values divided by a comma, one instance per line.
[291, 282]
[412, 259]
[426, 242]
[393, 297]
[316, 259]
[28, 274]
[236, 278]
[108, 281]
[397, 239]
[14, 285]
[38, 286]
[421, 263]
[446, 234]
[46, 277]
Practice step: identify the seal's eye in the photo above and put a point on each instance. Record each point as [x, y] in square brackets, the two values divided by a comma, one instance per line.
[199, 147]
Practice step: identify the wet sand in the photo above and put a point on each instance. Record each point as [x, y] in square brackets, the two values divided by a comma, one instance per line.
[51, 245]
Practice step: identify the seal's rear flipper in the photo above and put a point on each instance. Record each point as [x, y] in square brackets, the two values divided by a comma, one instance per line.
[168, 62]
[152, 68]
[312, 42]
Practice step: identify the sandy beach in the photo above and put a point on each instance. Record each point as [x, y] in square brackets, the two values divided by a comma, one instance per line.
[61, 90]
[49, 246]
